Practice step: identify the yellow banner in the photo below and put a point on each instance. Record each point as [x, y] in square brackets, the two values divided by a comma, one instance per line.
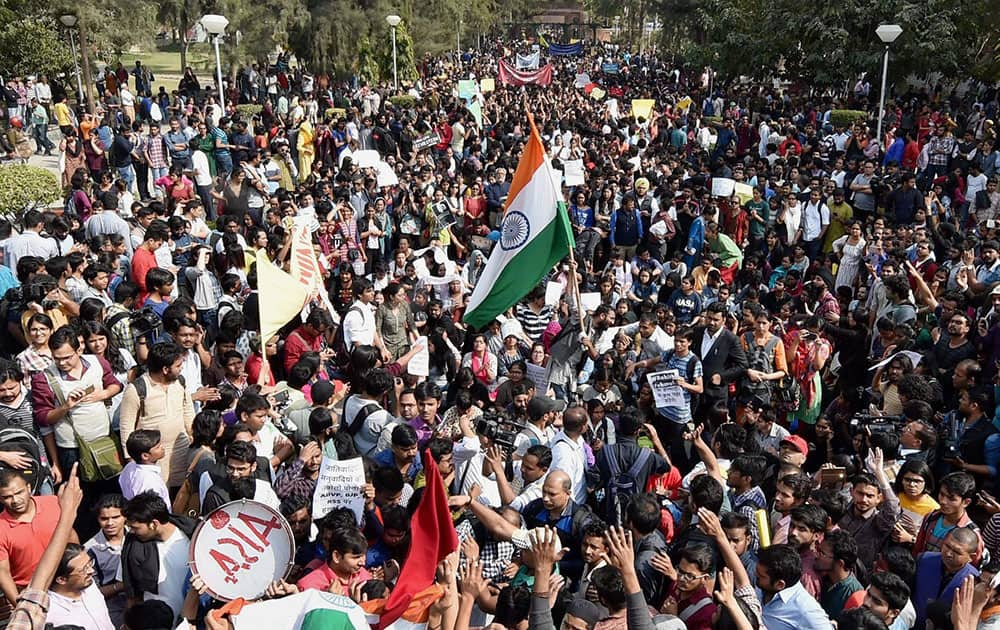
[281, 297]
[642, 107]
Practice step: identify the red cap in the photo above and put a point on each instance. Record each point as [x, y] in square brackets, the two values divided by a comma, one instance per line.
[798, 442]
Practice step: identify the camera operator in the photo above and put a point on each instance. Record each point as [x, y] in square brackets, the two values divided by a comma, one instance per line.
[44, 295]
[886, 383]
[917, 438]
[975, 445]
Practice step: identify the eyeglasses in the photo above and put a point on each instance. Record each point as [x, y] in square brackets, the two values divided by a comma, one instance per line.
[913, 480]
[683, 576]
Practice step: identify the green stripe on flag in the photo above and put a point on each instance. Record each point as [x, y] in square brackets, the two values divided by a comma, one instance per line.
[523, 272]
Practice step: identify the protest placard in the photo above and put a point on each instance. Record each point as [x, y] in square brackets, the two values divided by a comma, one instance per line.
[426, 141]
[590, 301]
[540, 377]
[723, 187]
[341, 484]
[487, 85]
[642, 107]
[553, 291]
[420, 363]
[573, 171]
[666, 391]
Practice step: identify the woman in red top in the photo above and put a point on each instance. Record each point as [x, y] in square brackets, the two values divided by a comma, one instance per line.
[475, 207]
[179, 189]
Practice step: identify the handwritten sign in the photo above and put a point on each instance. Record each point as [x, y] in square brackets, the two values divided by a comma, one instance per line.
[538, 375]
[419, 364]
[723, 187]
[642, 107]
[666, 391]
[487, 85]
[340, 485]
[574, 172]
[241, 548]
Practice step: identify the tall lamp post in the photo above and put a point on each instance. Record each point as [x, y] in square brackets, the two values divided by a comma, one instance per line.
[394, 21]
[888, 34]
[215, 25]
[69, 21]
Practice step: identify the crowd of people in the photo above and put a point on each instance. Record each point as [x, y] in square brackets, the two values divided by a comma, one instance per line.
[778, 408]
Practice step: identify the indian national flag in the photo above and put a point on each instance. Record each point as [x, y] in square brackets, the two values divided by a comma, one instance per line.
[535, 234]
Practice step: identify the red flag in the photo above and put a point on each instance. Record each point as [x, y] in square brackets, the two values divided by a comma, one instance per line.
[433, 537]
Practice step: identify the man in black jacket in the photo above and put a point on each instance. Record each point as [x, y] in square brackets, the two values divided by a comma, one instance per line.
[723, 360]
[154, 536]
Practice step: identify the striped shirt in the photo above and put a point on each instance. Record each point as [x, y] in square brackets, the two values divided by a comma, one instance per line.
[533, 323]
[670, 361]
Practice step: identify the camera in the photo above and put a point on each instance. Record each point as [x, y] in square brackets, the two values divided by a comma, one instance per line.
[498, 429]
[878, 424]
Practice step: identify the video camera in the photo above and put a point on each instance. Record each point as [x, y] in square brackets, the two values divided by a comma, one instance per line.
[499, 429]
[878, 424]
[34, 292]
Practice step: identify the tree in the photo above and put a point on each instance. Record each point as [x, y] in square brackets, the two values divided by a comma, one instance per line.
[181, 15]
[47, 53]
[831, 43]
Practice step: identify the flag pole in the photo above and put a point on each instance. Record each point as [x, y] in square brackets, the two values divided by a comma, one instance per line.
[576, 288]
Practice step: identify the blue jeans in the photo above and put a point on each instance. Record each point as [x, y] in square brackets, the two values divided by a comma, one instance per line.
[42, 142]
[127, 175]
[224, 163]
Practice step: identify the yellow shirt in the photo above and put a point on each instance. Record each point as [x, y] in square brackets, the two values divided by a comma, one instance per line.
[837, 228]
[61, 112]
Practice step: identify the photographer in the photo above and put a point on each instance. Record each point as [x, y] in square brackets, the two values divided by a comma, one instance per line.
[975, 446]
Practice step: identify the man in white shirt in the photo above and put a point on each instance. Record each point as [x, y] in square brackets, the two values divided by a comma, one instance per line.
[30, 242]
[155, 553]
[815, 222]
[568, 453]
[74, 597]
[142, 473]
[359, 321]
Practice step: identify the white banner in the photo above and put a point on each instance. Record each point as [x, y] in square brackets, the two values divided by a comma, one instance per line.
[528, 62]
[340, 484]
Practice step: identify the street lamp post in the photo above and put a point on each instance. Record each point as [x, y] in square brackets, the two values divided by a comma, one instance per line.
[215, 25]
[888, 34]
[69, 21]
[394, 21]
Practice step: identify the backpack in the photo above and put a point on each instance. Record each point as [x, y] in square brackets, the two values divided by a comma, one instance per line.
[760, 358]
[140, 322]
[14, 439]
[341, 353]
[622, 485]
[141, 390]
[361, 416]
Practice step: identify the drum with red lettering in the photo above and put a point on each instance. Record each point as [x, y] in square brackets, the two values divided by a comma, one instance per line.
[240, 548]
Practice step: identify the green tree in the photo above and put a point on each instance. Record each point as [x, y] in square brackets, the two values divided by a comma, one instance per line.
[47, 53]
[180, 16]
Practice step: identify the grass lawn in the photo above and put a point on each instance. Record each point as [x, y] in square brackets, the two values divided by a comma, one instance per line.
[165, 63]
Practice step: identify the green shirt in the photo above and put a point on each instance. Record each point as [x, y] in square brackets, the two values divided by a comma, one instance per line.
[727, 249]
[835, 596]
[758, 228]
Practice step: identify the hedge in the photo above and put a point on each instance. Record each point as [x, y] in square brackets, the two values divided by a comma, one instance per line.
[24, 188]
[847, 117]
[403, 101]
[248, 110]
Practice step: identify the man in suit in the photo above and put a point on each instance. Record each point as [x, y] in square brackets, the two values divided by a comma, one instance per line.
[722, 357]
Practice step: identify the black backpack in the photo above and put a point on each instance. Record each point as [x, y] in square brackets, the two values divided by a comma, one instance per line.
[760, 358]
[341, 353]
[14, 439]
[622, 485]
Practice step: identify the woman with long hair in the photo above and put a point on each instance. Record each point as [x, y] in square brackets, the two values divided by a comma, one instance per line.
[103, 344]
[394, 321]
[74, 158]
[482, 362]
